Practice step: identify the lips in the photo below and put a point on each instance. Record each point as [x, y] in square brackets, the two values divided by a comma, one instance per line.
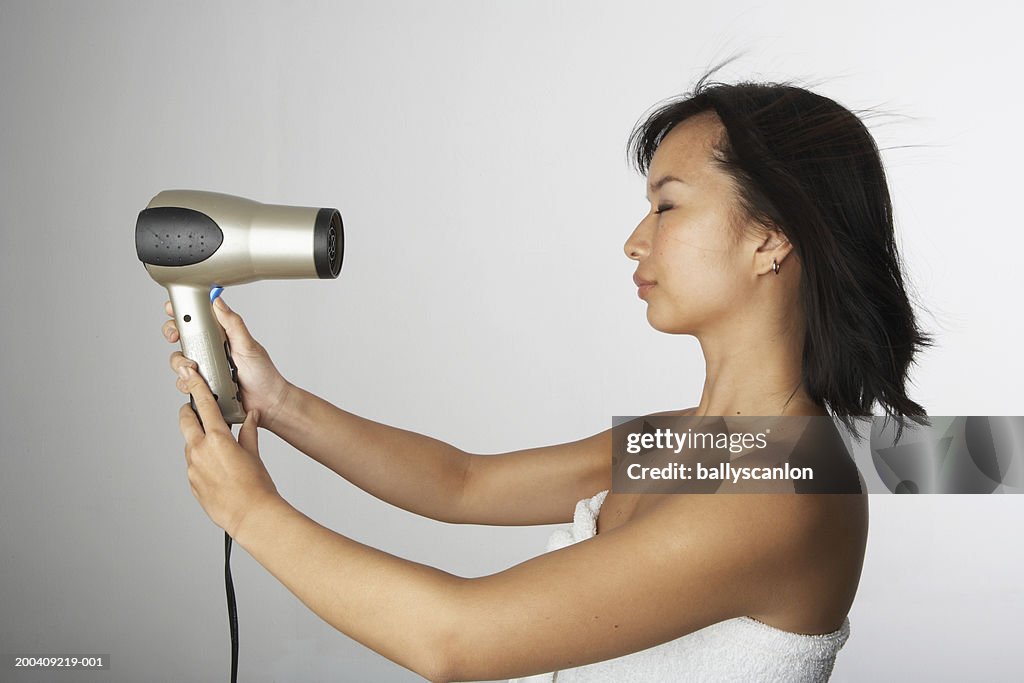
[642, 286]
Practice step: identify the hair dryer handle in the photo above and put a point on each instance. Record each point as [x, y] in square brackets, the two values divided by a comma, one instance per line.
[204, 341]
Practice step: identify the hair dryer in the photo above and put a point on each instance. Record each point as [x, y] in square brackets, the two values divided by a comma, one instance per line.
[192, 241]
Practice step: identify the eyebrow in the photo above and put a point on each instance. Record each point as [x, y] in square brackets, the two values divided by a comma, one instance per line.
[661, 181]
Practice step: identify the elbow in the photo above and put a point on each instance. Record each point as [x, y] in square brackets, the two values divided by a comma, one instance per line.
[428, 657]
[442, 657]
[439, 678]
[438, 665]
[459, 513]
[458, 653]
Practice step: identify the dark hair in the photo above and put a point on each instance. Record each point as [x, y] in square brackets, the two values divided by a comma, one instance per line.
[809, 167]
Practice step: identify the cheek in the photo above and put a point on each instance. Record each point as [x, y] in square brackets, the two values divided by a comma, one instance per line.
[698, 277]
[694, 266]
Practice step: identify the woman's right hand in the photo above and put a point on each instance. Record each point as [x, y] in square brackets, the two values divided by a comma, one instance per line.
[263, 388]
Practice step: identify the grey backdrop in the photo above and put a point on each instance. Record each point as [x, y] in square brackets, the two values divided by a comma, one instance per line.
[476, 151]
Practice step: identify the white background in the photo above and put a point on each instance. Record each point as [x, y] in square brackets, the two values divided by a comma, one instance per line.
[476, 151]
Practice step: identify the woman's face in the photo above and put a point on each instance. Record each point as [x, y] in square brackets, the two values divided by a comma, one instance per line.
[703, 270]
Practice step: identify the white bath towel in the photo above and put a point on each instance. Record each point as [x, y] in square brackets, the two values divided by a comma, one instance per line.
[741, 649]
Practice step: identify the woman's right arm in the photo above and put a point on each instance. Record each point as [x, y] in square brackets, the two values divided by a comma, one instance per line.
[410, 470]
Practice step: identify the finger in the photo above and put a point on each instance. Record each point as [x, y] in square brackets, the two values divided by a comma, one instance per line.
[206, 404]
[178, 361]
[233, 324]
[180, 385]
[248, 435]
[168, 308]
[190, 428]
[170, 331]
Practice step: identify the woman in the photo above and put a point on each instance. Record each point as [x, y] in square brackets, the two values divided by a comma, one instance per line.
[770, 239]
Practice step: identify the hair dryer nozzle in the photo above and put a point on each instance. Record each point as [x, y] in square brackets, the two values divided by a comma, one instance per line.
[328, 243]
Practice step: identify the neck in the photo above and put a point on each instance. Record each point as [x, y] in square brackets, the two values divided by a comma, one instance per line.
[755, 369]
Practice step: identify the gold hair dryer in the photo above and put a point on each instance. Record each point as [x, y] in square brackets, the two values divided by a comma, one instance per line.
[192, 242]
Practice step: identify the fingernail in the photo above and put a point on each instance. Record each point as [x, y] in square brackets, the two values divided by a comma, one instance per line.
[183, 371]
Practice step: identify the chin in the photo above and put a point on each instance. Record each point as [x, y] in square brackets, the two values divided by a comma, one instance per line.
[668, 325]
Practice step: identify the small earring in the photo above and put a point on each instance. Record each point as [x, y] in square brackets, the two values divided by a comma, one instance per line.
[775, 266]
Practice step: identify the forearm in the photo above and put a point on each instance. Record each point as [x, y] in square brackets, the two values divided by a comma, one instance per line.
[394, 606]
[412, 471]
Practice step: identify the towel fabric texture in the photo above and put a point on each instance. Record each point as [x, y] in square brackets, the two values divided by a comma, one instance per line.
[741, 649]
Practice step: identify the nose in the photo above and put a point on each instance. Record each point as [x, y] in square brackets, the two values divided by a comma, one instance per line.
[638, 245]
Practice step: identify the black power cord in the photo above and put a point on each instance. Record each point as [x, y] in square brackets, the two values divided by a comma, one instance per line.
[229, 587]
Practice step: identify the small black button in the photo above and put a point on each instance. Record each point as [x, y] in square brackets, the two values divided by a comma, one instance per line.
[227, 352]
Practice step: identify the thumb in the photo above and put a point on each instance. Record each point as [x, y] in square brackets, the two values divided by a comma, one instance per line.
[248, 435]
[234, 326]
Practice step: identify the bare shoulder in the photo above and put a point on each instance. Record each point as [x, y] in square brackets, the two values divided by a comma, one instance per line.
[802, 553]
[784, 520]
[821, 531]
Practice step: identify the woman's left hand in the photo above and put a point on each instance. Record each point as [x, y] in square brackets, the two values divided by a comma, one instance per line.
[227, 477]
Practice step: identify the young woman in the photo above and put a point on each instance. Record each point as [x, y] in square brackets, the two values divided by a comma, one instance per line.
[769, 239]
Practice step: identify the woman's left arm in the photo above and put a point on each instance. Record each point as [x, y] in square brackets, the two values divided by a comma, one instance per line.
[690, 562]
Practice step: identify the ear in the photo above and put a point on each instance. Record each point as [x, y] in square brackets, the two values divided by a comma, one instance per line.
[774, 248]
